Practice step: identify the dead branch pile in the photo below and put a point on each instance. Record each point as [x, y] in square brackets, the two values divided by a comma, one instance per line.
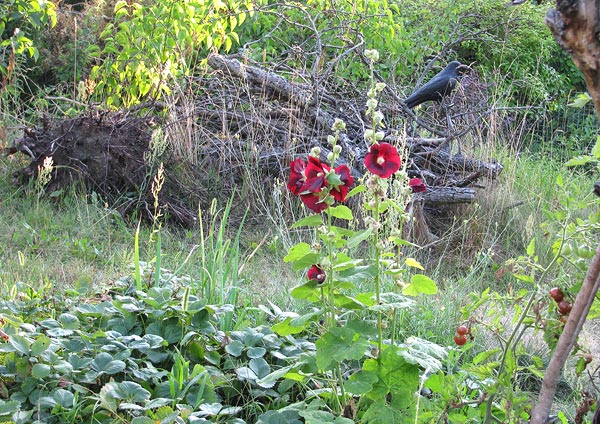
[243, 122]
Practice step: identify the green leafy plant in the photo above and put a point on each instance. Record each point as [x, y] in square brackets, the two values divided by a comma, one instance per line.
[150, 46]
[388, 372]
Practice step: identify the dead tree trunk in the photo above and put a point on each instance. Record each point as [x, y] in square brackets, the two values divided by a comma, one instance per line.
[575, 25]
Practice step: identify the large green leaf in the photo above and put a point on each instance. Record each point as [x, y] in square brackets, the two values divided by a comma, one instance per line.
[20, 343]
[104, 363]
[357, 274]
[309, 291]
[339, 344]
[420, 284]
[40, 345]
[296, 252]
[309, 221]
[340, 211]
[129, 391]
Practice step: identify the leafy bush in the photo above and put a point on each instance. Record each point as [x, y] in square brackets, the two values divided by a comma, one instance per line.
[150, 46]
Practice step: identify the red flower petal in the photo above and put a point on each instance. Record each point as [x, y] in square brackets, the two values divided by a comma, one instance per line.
[316, 173]
[313, 202]
[417, 185]
[297, 178]
[340, 192]
[316, 273]
[383, 159]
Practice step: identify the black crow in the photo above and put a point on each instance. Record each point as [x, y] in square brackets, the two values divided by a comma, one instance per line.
[439, 86]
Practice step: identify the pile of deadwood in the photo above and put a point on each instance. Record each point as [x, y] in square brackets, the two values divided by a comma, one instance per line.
[244, 121]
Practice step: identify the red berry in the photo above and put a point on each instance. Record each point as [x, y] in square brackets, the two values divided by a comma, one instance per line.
[564, 307]
[462, 330]
[460, 339]
[557, 294]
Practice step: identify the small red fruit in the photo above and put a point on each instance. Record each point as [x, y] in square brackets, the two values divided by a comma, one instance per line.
[462, 330]
[556, 294]
[460, 339]
[564, 307]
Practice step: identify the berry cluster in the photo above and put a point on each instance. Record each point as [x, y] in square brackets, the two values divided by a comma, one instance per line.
[564, 306]
[460, 338]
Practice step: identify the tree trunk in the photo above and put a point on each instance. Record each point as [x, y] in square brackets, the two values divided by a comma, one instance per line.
[575, 25]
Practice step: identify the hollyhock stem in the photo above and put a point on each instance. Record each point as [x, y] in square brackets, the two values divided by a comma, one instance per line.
[330, 282]
[378, 283]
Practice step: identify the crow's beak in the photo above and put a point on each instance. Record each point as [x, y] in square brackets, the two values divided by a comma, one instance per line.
[463, 68]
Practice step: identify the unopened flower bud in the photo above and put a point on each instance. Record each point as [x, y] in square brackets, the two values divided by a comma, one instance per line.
[372, 104]
[368, 134]
[380, 86]
[316, 247]
[379, 135]
[337, 149]
[315, 152]
[338, 125]
[331, 140]
[372, 183]
[330, 156]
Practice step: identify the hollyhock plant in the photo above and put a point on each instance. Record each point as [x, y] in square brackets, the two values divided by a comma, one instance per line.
[316, 273]
[314, 202]
[297, 177]
[340, 191]
[383, 159]
[416, 185]
[316, 175]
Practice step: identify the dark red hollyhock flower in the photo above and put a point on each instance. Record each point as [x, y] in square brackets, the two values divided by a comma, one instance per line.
[297, 177]
[417, 185]
[316, 273]
[340, 192]
[313, 202]
[316, 173]
[383, 159]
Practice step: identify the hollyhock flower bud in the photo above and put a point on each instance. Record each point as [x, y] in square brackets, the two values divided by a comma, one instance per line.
[368, 134]
[337, 149]
[379, 135]
[331, 140]
[377, 117]
[338, 125]
[372, 183]
[315, 152]
[380, 86]
[372, 104]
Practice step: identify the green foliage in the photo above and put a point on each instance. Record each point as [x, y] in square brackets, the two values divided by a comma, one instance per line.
[21, 22]
[138, 356]
[149, 47]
